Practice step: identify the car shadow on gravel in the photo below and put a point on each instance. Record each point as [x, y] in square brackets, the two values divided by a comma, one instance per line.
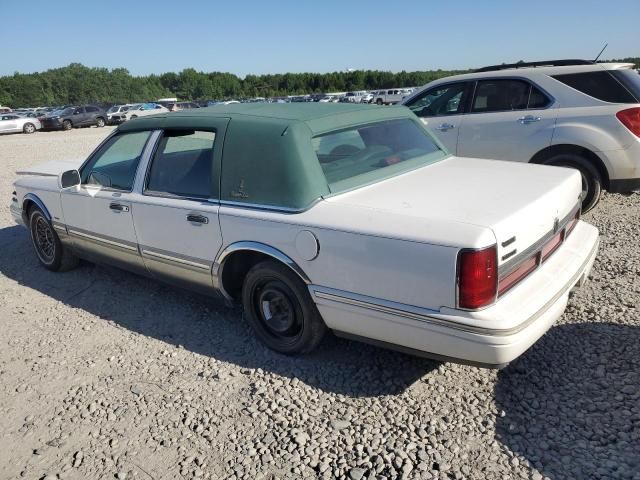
[207, 326]
[571, 404]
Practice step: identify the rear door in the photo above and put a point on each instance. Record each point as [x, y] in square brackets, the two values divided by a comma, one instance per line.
[176, 216]
[509, 119]
[79, 117]
[441, 108]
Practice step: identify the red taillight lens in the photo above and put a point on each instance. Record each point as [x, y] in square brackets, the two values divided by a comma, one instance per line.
[630, 118]
[552, 245]
[477, 277]
[572, 223]
[524, 269]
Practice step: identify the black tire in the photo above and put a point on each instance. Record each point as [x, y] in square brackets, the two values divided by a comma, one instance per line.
[100, 122]
[29, 128]
[49, 250]
[67, 125]
[280, 310]
[134, 116]
[379, 101]
[591, 178]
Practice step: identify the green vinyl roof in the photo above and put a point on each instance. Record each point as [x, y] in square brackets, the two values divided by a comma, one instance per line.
[319, 117]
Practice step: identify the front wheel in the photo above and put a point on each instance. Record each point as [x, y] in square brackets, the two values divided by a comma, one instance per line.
[66, 125]
[29, 128]
[280, 310]
[379, 101]
[591, 179]
[50, 251]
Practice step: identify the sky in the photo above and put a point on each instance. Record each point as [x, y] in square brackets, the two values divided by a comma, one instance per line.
[256, 37]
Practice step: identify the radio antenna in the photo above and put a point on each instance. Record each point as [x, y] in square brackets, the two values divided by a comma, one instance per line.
[605, 46]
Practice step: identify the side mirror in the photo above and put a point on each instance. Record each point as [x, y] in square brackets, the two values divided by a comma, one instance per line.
[70, 178]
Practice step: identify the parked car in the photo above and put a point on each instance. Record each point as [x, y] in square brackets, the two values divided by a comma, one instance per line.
[390, 96]
[174, 107]
[115, 110]
[5, 110]
[571, 113]
[354, 97]
[13, 123]
[319, 216]
[135, 110]
[74, 117]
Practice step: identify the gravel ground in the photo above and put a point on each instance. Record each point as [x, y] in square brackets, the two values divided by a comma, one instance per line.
[107, 375]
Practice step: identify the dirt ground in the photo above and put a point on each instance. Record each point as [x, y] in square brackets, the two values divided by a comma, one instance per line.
[105, 375]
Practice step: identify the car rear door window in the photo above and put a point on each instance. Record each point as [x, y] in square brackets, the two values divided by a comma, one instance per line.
[601, 85]
[115, 164]
[500, 95]
[537, 99]
[183, 164]
[440, 100]
[91, 109]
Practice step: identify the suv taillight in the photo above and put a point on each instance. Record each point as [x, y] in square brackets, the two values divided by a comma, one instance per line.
[630, 118]
[477, 277]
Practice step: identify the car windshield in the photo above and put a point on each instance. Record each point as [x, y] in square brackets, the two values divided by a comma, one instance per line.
[113, 109]
[365, 154]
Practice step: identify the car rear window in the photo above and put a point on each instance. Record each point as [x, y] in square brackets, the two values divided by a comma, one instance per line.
[602, 85]
[365, 154]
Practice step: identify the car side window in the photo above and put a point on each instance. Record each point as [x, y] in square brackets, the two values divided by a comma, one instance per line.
[91, 109]
[500, 95]
[78, 110]
[115, 164]
[440, 100]
[183, 164]
[537, 99]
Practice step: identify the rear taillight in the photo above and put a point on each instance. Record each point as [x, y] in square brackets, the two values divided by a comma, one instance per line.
[572, 223]
[630, 118]
[477, 277]
[521, 271]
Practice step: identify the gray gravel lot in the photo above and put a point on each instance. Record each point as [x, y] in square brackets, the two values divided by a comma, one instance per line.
[107, 375]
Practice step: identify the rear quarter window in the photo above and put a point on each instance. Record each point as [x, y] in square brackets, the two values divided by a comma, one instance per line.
[601, 85]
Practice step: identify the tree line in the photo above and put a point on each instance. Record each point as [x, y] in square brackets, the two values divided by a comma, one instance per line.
[77, 83]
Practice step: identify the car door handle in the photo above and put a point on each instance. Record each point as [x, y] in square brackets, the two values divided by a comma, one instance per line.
[528, 119]
[197, 218]
[119, 207]
[443, 127]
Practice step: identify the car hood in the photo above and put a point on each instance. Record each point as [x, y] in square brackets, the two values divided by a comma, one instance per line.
[52, 168]
[509, 198]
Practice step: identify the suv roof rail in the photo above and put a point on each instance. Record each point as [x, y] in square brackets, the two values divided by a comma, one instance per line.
[543, 63]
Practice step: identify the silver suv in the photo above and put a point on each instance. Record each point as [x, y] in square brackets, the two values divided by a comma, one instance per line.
[571, 113]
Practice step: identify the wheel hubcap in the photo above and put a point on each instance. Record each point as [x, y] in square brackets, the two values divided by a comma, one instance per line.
[45, 240]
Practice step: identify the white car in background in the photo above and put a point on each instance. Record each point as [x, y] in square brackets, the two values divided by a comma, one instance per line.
[135, 110]
[570, 113]
[390, 96]
[14, 123]
[115, 110]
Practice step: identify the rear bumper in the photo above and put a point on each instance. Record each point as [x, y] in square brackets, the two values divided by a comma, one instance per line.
[492, 337]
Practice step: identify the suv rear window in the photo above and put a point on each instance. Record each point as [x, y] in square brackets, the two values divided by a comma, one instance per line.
[600, 85]
[369, 153]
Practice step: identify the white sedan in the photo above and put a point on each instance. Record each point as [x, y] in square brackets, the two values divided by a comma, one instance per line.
[321, 217]
[14, 123]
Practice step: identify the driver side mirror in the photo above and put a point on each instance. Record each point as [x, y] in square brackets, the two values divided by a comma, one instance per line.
[70, 178]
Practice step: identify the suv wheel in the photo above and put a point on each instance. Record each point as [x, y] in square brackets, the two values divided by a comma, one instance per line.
[100, 122]
[280, 310]
[66, 125]
[591, 179]
[379, 101]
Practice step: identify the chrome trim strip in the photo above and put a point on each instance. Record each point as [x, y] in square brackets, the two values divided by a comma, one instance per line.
[512, 264]
[102, 239]
[271, 208]
[400, 310]
[176, 259]
[61, 227]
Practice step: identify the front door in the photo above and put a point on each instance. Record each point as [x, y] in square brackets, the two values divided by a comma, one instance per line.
[8, 123]
[441, 109]
[510, 119]
[98, 213]
[176, 216]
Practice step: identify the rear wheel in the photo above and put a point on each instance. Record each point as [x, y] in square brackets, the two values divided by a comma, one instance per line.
[100, 122]
[50, 251]
[280, 310]
[66, 125]
[29, 128]
[591, 178]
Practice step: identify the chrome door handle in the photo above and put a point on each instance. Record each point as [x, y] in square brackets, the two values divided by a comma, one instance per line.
[197, 218]
[528, 119]
[443, 127]
[118, 207]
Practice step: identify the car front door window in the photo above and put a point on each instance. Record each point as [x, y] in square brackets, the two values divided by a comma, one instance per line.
[115, 164]
[440, 100]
